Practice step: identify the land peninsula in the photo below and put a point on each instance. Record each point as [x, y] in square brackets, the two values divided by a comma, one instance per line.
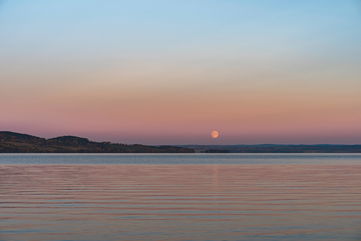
[11, 142]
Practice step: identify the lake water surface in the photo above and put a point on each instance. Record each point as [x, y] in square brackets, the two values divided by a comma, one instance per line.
[95, 197]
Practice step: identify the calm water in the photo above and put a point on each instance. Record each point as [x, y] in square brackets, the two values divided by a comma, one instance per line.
[180, 197]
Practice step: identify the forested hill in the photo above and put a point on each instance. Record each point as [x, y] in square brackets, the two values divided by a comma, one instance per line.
[11, 142]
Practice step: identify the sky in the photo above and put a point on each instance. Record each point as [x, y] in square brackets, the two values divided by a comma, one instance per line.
[170, 72]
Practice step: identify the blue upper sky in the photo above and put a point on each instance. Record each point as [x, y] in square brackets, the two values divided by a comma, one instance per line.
[105, 27]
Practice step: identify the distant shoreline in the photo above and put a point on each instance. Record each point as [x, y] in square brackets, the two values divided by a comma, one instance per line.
[12, 142]
[276, 148]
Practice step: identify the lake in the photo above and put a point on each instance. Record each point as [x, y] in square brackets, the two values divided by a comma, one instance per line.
[179, 197]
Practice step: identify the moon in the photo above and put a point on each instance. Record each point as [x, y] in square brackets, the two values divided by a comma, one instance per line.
[215, 134]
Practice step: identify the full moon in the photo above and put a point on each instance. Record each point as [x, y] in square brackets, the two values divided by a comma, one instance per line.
[215, 134]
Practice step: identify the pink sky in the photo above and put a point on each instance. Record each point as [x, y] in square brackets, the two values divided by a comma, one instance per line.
[258, 74]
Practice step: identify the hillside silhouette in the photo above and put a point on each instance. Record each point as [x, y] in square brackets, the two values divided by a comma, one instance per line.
[12, 142]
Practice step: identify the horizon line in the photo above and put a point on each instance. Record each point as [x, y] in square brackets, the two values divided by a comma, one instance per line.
[257, 144]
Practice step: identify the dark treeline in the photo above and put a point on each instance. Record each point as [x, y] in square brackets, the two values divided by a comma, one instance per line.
[11, 142]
